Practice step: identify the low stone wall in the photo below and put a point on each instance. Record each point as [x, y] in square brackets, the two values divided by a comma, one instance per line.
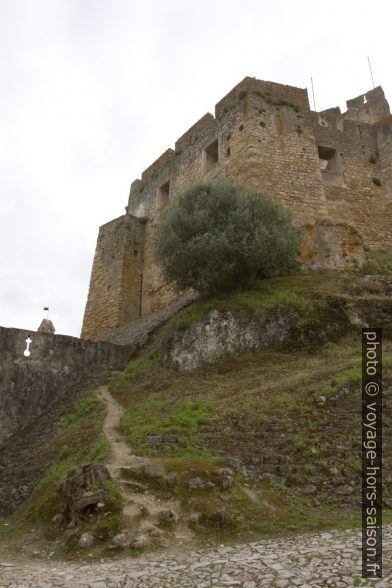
[35, 392]
[57, 364]
[137, 333]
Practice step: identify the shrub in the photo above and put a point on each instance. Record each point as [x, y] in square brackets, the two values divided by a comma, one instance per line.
[219, 236]
[379, 262]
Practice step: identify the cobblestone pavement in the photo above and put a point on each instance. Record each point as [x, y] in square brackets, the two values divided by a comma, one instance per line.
[329, 559]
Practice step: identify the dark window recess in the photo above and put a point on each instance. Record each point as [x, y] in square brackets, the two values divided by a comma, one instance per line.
[329, 161]
[211, 156]
[164, 195]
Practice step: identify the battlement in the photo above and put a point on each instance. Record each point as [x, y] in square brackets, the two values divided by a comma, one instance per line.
[324, 166]
[271, 91]
[202, 128]
[369, 107]
[207, 126]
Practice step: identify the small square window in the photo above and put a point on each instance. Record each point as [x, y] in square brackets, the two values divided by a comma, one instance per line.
[329, 160]
[210, 156]
[331, 165]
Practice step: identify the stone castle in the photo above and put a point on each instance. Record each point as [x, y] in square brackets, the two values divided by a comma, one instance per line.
[333, 171]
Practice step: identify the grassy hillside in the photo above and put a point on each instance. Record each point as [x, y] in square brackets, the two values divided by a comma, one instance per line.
[79, 441]
[296, 459]
[273, 435]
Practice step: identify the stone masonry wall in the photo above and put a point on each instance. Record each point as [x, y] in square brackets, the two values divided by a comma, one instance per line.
[57, 364]
[383, 131]
[116, 279]
[351, 194]
[322, 166]
[35, 392]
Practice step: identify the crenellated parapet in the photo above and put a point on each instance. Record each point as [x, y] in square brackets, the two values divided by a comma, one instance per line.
[369, 107]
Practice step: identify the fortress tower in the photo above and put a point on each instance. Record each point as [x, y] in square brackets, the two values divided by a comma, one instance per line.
[333, 171]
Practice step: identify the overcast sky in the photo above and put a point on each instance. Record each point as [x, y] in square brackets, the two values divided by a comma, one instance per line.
[93, 91]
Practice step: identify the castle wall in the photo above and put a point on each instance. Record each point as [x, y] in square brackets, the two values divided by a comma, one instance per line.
[35, 392]
[281, 159]
[383, 131]
[352, 196]
[116, 279]
[57, 364]
[322, 166]
[368, 108]
[265, 141]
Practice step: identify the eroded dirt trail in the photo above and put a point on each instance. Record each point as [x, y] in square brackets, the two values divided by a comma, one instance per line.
[143, 510]
[121, 453]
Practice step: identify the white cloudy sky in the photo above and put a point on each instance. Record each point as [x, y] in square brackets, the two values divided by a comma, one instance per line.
[92, 91]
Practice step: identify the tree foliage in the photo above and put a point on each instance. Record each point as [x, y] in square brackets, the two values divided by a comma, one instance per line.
[219, 236]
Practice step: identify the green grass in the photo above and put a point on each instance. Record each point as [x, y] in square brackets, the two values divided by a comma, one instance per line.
[299, 441]
[387, 517]
[254, 386]
[190, 415]
[253, 403]
[287, 401]
[134, 369]
[344, 379]
[268, 296]
[156, 415]
[351, 377]
[310, 446]
[80, 441]
[252, 406]
[258, 405]
[379, 262]
[308, 469]
[355, 464]
[84, 406]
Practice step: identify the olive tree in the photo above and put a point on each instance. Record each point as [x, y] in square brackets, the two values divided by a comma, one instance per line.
[219, 236]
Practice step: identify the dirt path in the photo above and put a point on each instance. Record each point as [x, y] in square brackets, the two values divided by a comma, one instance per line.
[141, 508]
[121, 453]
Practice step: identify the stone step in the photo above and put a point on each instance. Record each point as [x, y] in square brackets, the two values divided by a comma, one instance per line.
[134, 485]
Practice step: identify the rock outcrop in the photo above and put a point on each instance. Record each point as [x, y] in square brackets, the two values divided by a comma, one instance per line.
[221, 332]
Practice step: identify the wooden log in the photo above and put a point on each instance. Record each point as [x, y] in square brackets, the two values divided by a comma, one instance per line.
[88, 499]
[72, 497]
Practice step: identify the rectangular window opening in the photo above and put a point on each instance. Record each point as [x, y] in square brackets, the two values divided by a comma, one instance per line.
[211, 156]
[329, 160]
[164, 195]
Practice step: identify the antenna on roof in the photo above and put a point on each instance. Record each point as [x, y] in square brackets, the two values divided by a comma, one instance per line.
[314, 101]
[371, 73]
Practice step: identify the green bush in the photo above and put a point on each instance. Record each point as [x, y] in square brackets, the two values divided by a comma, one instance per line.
[218, 236]
[379, 262]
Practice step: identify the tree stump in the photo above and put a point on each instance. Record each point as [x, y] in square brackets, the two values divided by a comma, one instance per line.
[74, 499]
